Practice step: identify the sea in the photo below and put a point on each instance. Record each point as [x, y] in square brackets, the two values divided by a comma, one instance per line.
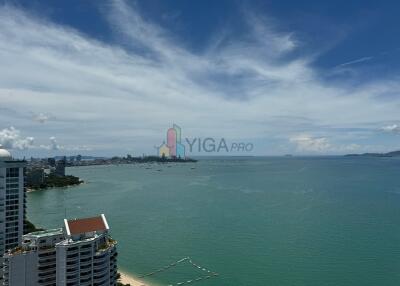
[243, 221]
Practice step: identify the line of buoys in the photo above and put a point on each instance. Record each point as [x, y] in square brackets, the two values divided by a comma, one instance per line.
[165, 267]
[209, 275]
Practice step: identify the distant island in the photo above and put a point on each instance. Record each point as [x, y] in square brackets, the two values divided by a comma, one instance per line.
[389, 154]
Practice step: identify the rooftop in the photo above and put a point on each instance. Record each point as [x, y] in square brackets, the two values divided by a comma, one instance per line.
[84, 225]
[44, 233]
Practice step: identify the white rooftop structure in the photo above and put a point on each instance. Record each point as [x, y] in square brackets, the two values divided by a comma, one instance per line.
[4, 154]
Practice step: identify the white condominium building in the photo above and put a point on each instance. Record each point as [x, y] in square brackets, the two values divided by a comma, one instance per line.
[88, 254]
[82, 253]
[33, 263]
[12, 202]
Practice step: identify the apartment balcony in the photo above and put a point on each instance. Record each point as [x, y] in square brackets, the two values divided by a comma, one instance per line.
[86, 262]
[51, 282]
[45, 259]
[51, 274]
[101, 280]
[73, 272]
[86, 255]
[86, 275]
[100, 268]
[47, 281]
[46, 268]
[47, 262]
[87, 282]
[86, 266]
[72, 263]
[101, 256]
[72, 251]
[72, 278]
[47, 254]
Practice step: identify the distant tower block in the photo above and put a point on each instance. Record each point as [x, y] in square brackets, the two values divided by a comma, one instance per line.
[171, 141]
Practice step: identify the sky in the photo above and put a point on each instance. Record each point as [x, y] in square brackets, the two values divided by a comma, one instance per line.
[109, 77]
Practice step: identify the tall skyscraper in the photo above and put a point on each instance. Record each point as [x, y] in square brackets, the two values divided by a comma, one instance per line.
[80, 253]
[12, 202]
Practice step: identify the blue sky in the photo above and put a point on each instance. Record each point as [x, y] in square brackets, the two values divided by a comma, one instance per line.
[109, 77]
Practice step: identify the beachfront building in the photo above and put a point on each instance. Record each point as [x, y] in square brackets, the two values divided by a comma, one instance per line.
[34, 262]
[12, 202]
[81, 253]
[88, 255]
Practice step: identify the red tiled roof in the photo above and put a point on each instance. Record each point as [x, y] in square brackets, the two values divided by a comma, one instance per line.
[84, 225]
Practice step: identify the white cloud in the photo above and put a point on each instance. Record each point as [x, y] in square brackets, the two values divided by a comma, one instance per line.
[135, 91]
[391, 128]
[53, 145]
[40, 117]
[10, 138]
[308, 143]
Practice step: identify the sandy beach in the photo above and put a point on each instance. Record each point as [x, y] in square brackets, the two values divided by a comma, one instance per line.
[129, 279]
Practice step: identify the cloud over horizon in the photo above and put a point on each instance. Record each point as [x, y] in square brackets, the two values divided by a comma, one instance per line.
[10, 138]
[121, 97]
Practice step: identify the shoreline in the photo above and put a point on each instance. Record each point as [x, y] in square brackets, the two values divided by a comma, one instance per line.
[132, 280]
[31, 190]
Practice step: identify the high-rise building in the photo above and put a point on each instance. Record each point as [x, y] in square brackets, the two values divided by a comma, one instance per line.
[12, 202]
[60, 167]
[81, 253]
[34, 262]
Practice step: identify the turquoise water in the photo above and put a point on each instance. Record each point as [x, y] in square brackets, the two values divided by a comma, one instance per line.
[260, 221]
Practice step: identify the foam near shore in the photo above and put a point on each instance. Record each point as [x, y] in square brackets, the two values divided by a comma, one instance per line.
[129, 279]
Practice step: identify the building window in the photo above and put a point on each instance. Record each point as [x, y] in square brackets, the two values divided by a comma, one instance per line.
[12, 172]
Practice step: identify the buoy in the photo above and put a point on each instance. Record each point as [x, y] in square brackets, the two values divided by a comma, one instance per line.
[168, 266]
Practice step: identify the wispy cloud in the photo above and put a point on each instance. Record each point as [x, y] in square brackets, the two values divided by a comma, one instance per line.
[41, 117]
[305, 142]
[357, 61]
[134, 90]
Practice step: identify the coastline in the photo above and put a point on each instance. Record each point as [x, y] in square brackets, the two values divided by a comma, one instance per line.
[30, 190]
[129, 279]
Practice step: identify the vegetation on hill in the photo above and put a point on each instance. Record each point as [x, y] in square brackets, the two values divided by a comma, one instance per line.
[30, 227]
[54, 181]
[389, 154]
